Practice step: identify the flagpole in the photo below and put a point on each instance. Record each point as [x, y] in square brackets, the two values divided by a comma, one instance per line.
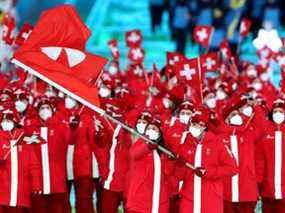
[200, 77]
[99, 111]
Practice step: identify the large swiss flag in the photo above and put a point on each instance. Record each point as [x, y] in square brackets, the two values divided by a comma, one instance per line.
[55, 52]
[189, 72]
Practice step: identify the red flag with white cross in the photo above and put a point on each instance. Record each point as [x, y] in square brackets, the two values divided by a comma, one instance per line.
[133, 38]
[136, 55]
[203, 34]
[55, 53]
[172, 59]
[189, 72]
[245, 25]
[210, 62]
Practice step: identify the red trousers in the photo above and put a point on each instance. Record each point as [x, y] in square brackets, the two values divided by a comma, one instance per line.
[270, 205]
[241, 207]
[84, 188]
[110, 201]
[55, 203]
[8, 209]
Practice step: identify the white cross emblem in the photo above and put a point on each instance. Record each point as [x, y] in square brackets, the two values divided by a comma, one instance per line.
[187, 72]
[209, 63]
[202, 34]
[175, 59]
[137, 53]
[133, 37]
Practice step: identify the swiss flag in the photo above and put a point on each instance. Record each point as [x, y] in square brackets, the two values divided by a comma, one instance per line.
[225, 50]
[136, 55]
[55, 52]
[8, 27]
[173, 58]
[245, 25]
[203, 34]
[133, 38]
[189, 72]
[210, 62]
[24, 33]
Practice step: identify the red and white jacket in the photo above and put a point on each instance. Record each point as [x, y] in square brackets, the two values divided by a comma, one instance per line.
[147, 189]
[243, 186]
[52, 153]
[205, 194]
[81, 162]
[114, 161]
[19, 172]
[270, 161]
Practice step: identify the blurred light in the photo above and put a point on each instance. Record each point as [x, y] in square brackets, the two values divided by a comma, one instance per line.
[268, 38]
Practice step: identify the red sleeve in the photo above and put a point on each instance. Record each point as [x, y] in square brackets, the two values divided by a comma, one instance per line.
[227, 165]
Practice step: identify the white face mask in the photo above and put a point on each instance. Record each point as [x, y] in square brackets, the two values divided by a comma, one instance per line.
[45, 114]
[195, 131]
[152, 134]
[21, 106]
[70, 103]
[247, 111]
[113, 70]
[211, 103]
[7, 125]
[264, 76]
[251, 72]
[236, 120]
[104, 92]
[257, 86]
[166, 103]
[141, 127]
[184, 118]
[278, 117]
[221, 95]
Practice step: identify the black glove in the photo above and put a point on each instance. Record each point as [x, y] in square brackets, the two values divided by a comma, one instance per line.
[74, 121]
[200, 172]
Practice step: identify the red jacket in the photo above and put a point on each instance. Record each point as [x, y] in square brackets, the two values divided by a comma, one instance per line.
[147, 184]
[243, 186]
[270, 162]
[114, 160]
[52, 153]
[19, 173]
[206, 192]
[79, 151]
